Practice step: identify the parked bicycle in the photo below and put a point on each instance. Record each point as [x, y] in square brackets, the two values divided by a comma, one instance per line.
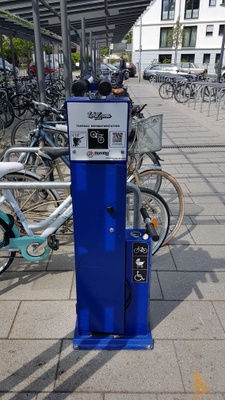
[19, 234]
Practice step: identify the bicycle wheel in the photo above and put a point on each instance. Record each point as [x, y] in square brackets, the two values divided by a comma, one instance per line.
[36, 204]
[157, 210]
[182, 93]
[168, 187]
[6, 112]
[19, 105]
[20, 133]
[6, 256]
[2, 128]
[166, 90]
[145, 160]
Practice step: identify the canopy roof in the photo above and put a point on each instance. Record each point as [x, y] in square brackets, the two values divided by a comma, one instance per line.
[108, 20]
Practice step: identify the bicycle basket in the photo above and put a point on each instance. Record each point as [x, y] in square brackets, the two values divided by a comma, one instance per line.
[148, 134]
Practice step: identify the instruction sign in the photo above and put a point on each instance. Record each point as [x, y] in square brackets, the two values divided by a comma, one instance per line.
[140, 262]
[98, 130]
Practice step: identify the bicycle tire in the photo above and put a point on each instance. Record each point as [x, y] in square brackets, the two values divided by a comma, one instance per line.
[2, 128]
[156, 208]
[6, 112]
[182, 93]
[6, 257]
[166, 90]
[145, 160]
[168, 187]
[36, 204]
[20, 132]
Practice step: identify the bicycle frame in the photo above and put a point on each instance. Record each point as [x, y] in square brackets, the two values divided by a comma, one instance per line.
[40, 133]
[61, 214]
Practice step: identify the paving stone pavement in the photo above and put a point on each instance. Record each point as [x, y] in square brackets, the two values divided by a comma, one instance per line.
[187, 306]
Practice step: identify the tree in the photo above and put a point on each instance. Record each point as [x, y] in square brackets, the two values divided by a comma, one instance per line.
[176, 36]
[19, 48]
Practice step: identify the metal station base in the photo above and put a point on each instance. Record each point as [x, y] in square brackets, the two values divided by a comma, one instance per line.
[112, 342]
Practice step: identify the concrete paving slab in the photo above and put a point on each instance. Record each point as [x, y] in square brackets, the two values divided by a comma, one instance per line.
[220, 310]
[199, 258]
[202, 365]
[44, 320]
[28, 365]
[163, 260]
[194, 396]
[155, 291]
[192, 285]
[210, 234]
[8, 310]
[69, 396]
[184, 320]
[112, 371]
[18, 396]
[130, 396]
[36, 286]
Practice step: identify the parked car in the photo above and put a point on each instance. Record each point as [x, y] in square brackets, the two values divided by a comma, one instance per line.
[8, 67]
[153, 70]
[129, 66]
[48, 68]
[107, 69]
[191, 67]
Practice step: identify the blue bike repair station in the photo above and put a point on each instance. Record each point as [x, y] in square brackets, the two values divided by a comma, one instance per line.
[112, 263]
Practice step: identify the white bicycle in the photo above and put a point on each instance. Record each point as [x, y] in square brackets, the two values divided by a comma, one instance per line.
[29, 225]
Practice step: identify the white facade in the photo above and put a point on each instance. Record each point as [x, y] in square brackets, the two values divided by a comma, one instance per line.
[207, 19]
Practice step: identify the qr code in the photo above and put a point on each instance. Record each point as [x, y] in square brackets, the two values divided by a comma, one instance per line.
[117, 138]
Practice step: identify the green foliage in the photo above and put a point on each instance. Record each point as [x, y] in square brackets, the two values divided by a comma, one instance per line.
[19, 47]
[216, 67]
[166, 61]
[128, 37]
[176, 35]
[104, 51]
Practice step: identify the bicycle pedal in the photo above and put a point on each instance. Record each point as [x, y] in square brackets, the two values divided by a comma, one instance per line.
[53, 243]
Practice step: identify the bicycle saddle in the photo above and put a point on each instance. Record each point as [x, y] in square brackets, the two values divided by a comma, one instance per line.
[51, 153]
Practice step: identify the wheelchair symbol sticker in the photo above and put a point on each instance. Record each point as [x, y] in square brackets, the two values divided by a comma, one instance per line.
[140, 263]
[140, 276]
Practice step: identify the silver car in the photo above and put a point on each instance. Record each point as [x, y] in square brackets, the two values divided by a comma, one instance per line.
[150, 73]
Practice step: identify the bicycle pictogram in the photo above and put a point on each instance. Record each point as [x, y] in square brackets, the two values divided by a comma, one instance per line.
[99, 136]
[140, 249]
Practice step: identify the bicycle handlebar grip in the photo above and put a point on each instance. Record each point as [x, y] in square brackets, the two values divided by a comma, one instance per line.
[149, 225]
[152, 232]
[144, 213]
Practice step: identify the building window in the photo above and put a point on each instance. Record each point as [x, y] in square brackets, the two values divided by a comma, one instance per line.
[217, 58]
[191, 9]
[165, 58]
[212, 3]
[187, 58]
[206, 58]
[165, 37]
[168, 9]
[209, 30]
[190, 35]
[221, 29]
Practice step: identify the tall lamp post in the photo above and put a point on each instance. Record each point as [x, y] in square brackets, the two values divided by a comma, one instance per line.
[222, 49]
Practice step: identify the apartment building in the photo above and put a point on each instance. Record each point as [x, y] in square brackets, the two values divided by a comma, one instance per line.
[202, 21]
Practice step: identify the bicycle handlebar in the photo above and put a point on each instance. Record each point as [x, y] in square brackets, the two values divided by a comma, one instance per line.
[150, 229]
[46, 106]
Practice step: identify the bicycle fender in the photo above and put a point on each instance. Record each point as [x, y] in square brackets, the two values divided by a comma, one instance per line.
[6, 219]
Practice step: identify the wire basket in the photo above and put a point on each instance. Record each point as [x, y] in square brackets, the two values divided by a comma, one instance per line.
[148, 134]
